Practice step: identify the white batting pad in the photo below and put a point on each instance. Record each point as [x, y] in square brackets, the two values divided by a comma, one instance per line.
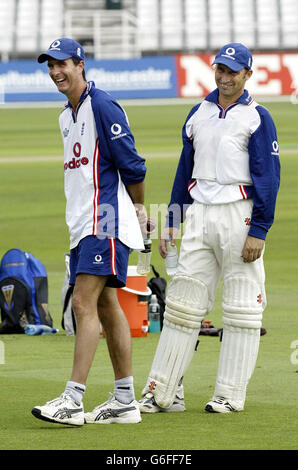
[186, 305]
[238, 355]
[172, 357]
[186, 302]
[243, 304]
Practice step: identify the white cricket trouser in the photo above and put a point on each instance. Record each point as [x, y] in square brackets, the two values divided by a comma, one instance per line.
[213, 239]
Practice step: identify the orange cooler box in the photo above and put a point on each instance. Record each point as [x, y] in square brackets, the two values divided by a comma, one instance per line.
[133, 299]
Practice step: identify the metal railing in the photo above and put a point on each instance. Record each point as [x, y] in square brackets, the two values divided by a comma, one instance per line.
[103, 33]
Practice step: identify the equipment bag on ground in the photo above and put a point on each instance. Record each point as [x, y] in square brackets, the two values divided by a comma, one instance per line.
[23, 292]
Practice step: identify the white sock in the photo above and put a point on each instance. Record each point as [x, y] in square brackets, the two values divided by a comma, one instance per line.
[76, 391]
[124, 390]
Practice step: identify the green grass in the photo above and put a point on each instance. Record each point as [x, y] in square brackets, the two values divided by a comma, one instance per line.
[36, 368]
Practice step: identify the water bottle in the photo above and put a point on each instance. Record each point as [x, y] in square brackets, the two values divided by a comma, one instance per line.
[171, 259]
[154, 315]
[33, 330]
[144, 258]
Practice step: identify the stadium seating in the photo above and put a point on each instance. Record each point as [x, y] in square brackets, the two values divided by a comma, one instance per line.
[267, 17]
[147, 26]
[171, 13]
[196, 30]
[289, 23]
[220, 23]
[27, 26]
[7, 27]
[244, 25]
[104, 33]
[52, 22]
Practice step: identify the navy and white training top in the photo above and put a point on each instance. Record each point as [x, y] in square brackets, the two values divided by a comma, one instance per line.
[100, 160]
[228, 155]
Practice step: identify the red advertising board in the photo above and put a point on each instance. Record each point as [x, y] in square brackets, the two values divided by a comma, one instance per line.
[274, 74]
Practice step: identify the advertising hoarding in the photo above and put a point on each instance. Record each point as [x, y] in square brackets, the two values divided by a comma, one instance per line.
[185, 76]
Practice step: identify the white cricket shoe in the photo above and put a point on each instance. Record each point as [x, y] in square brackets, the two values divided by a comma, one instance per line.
[147, 404]
[220, 405]
[113, 411]
[62, 410]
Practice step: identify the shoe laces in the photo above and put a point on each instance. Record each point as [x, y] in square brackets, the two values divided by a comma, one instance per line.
[220, 400]
[109, 400]
[149, 395]
[148, 398]
[65, 396]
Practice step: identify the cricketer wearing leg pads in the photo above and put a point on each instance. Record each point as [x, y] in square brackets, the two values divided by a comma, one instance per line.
[225, 186]
[242, 319]
[186, 306]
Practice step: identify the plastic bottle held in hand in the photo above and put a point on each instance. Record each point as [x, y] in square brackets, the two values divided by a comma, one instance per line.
[33, 330]
[171, 259]
[154, 315]
[144, 258]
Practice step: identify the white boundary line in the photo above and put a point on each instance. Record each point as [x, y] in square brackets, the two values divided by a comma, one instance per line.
[139, 102]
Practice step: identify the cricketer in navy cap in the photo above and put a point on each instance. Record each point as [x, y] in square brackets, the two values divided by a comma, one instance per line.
[63, 49]
[234, 55]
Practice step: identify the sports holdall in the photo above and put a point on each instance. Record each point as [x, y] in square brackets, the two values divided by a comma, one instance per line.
[23, 292]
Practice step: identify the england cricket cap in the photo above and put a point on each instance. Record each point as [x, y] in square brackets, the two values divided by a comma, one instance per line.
[236, 56]
[62, 49]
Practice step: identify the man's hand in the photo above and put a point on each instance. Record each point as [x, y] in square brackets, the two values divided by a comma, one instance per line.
[252, 249]
[169, 233]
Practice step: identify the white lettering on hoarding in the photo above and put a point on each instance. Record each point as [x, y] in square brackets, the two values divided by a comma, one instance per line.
[13, 81]
[145, 79]
[197, 73]
[291, 62]
[260, 82]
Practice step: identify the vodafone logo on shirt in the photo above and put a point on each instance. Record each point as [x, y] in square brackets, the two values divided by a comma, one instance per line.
[76, 161]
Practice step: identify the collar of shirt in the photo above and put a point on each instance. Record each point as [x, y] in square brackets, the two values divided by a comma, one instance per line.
[84, 95]
[245, 98]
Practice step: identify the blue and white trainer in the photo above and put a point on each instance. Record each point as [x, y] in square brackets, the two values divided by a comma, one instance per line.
[113, 411]
[147, 404]
[61, 410]
[220, 405]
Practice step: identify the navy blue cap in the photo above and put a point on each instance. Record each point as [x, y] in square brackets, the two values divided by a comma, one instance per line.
[62, 49]
[236, 56]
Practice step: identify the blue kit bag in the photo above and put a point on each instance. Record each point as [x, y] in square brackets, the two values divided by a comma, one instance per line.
[23, 292]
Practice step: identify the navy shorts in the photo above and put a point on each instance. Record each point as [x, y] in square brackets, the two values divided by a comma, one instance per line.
[100, 257]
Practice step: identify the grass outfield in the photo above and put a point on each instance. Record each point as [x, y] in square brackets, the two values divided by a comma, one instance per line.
[35, 369]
